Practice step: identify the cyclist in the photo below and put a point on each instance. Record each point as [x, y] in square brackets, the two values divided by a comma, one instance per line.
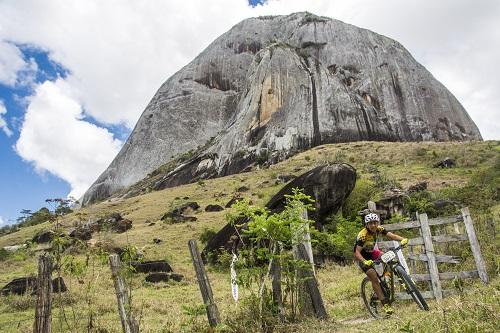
[366, 252]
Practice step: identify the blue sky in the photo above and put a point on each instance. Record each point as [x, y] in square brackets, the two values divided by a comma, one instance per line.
[24, 187]
[21, 186]
[75, 76]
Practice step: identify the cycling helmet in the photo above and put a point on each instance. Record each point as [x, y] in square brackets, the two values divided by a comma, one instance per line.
[371, 217]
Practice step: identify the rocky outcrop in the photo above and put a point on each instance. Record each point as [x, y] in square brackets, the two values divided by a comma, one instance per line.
[328, 185]
[43, 236]
[177, 215]
[150, 266]
[446, 163]
[213, 208]
[22, 285]
[273, 86]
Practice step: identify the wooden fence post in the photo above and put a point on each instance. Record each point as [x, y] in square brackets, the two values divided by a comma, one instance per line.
[206, 290]
[276, 285]
[305, 236]
[129, 325]
[474, 245]
[43, 315]
[429, 251]
[311, 285]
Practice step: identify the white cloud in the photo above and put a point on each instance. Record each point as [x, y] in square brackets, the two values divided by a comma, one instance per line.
[3, 124]
[11, 62]
[56, 139]
[2, 222]
[14, 69]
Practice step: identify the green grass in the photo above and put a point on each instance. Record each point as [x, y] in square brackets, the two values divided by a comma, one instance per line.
[162, 307]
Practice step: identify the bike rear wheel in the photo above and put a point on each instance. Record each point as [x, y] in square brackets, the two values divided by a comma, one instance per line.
[412, 289]
[370, 299]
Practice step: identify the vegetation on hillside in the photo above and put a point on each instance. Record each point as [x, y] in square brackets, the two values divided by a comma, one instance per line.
[44, 214]
[177, 306]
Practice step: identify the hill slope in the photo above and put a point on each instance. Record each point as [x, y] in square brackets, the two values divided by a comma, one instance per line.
[161, 305]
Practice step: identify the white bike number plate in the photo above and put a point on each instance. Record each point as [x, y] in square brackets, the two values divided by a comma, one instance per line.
[386, 257]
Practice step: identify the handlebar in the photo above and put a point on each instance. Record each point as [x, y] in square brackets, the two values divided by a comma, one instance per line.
[394, 249]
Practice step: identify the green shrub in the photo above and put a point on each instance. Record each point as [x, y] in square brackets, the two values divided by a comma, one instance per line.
[263, 157]
[4, 254]
[421, 151]
[482, 191]
[363, 191]
[420, 202]
[338, 237]
[339, 156]
[206, 235]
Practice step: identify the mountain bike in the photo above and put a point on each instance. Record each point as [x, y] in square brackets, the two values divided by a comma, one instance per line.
[391, 269]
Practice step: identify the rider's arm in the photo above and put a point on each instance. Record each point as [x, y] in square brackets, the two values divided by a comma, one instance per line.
[394, 236]
[357, 253]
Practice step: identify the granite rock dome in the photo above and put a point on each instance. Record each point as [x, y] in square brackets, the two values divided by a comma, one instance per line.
[276, 85]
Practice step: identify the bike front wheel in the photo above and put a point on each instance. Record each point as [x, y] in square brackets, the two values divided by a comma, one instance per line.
[411, 288]
[370, 299]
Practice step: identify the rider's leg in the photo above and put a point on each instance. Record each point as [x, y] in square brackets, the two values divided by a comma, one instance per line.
[372, 275]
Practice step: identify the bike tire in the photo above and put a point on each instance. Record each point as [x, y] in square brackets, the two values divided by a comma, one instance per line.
[370, 299]
[412, 289]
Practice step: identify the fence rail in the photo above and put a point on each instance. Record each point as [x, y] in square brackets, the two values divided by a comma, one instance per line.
[432, 259]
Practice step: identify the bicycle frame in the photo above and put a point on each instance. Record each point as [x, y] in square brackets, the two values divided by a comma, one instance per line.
[391, 268]
[389, 271]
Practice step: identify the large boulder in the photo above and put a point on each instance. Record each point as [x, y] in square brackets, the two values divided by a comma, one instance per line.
[446, 163]
[21, 286]
[151, 266]
[112, 222]
[328, 185]
[163, 277]
[213, 208]
[157, 277]
[273, 86]
[177, 214]
[43, 236]
[82, 233]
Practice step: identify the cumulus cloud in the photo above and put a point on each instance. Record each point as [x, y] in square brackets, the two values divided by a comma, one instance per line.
[55, 138]
[3, 124]
[11, 62]
[14, 68]
[2, 222]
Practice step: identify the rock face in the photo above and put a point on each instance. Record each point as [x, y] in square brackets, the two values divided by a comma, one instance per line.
[273, 86]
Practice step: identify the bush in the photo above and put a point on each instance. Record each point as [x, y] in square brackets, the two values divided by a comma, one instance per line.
[4, 254]
[481, 192]
[206, 235]
[338, 238]
[420, 202]
[363, 191]
[339, 157]
[263, 157]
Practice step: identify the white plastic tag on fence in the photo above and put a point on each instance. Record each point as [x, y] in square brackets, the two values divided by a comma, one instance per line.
[234, 284]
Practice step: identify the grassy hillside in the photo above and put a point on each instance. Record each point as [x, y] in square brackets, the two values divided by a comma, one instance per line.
[174, 306]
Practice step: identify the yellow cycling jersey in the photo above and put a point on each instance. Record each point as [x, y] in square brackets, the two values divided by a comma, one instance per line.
[367, 240]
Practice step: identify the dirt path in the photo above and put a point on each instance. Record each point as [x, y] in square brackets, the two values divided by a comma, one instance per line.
[356, 321]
